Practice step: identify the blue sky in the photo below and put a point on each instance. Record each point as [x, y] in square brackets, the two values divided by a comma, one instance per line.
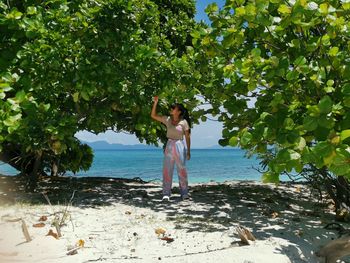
[203, 135]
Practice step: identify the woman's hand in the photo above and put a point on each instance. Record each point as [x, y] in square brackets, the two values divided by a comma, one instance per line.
[155, 99]
[188, 156]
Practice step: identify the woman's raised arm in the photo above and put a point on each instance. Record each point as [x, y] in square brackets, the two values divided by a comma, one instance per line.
[154, 114]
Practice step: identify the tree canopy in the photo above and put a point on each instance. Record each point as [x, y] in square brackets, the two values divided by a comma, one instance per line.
[280, 80]
[94, 65]
[276, 73]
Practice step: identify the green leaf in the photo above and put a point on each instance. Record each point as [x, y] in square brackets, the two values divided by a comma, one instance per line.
[292, 75]
[246, 138]
[323, 149]
[85, 95]
[14, 14]
[270, 177]
[277, 99]
[20, 96]
[211, 8]
[300, 61]
[346, 89]
[325, 104]
[31, 10]
[240, 11]
[76, 97]
[12, 120]
[310, 123]
[323, 8]
[340, 164]
[330, 82]
[284, 9]
[326, 122]
[333, 51]
[344, 134]
[288, 124]
[256, 52]
[313, 110]
[233, 141]
[301, 144]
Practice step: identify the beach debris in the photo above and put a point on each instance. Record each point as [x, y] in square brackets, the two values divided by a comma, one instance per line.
[335, 249]
[245, 235]
[274, 215]
[42, 218]
[6, 254]
[80, 243]
[72, 250]
[343, 215]
[51, 233]
[160, 231]
[167, 239]
[25, 231]
[11, 220]
[299, 232]
[39, 224]
[57, 223]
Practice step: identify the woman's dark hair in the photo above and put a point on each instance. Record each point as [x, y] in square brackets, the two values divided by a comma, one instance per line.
[184, 113]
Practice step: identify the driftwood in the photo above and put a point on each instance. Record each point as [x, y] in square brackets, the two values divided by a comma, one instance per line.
[245, 235]
[25, 231]
[335, 249]
[24, 226]
[12, 220]
[338, 248]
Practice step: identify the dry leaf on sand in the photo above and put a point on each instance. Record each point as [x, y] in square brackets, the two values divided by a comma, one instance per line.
[43, 218]
[51, 233]
[160, 231]
[39, 225]
[167, 239]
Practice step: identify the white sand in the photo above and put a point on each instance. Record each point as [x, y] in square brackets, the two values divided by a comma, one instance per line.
[118, 225]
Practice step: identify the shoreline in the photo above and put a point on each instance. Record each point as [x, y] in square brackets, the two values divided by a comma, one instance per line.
[139, 179]
[117, 220]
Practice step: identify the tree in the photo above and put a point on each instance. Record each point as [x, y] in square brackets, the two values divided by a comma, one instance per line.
[67, 66]
[280, 82]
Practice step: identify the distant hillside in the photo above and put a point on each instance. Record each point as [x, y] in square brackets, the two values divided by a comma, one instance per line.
[103, 145]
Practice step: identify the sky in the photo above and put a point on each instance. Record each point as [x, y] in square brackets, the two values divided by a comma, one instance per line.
[203, 135]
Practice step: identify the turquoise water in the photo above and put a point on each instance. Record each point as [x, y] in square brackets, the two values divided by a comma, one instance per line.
[205, 165]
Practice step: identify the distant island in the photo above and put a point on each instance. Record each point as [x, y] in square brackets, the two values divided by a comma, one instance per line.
[104, 145]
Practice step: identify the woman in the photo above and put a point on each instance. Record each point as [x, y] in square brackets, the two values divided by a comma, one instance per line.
[175, 153]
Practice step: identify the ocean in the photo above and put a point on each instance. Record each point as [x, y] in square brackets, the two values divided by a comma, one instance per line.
[205, 165]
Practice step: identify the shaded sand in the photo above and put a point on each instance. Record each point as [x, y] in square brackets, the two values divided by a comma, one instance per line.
[116, 220]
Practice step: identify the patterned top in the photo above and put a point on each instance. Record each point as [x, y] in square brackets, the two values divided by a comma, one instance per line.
[175, 132]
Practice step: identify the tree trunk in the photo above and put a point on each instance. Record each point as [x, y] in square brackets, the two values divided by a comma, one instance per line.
[34, 175]
[29, 165]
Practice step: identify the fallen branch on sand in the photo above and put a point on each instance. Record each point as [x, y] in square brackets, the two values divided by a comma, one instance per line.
[335, 249]
[24, 226]
[338, 248]
[25, 231]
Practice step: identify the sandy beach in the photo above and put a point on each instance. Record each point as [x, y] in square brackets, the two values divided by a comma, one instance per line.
[114, 220]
